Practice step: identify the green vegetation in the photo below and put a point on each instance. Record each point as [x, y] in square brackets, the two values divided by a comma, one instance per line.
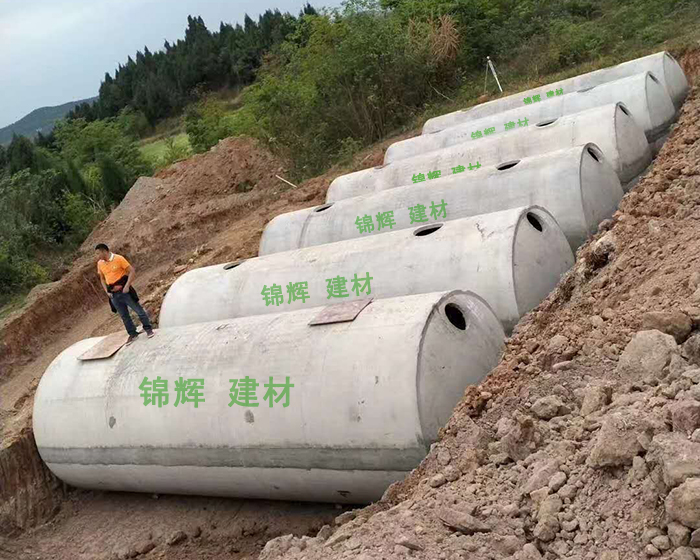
[349, 78]
[52, 195]
[165, 151]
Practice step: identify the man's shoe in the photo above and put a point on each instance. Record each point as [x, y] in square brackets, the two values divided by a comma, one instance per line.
[131, 339]
[150, 334]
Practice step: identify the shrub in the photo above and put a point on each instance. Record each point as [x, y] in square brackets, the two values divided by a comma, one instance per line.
[206, 124]
[175, 150]
[18, 272]
[355, 75]
[81, 215]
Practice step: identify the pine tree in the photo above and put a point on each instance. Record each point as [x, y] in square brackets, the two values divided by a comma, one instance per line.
[161, 84]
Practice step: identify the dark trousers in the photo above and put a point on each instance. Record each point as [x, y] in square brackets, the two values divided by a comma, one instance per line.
[122, 302]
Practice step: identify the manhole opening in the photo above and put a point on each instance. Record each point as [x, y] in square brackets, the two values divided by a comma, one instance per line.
[427, 230]
[594, 154]
[546, 123]
[534, 222]
[229, 266]
[507, 165]
[624, 110]
[455, 316]
[323, 207]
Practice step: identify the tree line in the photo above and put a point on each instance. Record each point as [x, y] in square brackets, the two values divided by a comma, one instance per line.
[161, 84]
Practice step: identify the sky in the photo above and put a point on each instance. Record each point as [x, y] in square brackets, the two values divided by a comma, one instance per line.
[56, 51]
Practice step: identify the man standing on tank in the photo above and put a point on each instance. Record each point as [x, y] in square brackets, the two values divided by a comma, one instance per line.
[116, 276]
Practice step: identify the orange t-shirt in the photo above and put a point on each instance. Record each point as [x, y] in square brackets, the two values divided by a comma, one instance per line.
[113, 270]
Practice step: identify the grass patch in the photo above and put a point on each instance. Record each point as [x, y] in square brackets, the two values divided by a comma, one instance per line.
[165, 151]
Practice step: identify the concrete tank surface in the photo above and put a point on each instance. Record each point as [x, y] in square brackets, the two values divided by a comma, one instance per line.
[577, 186]
[661, 64]
[610, 127]
[642, 94]
[356, 421]
[512, 259]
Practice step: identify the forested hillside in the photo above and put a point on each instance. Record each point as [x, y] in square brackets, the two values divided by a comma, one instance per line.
[39, 121]
[54, 190]
[161, 84]
[318, 88]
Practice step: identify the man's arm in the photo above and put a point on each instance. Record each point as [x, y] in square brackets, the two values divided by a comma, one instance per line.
[102, 280]
[131, 271]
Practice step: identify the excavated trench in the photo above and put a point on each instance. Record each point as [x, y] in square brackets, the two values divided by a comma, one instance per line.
[29, 493]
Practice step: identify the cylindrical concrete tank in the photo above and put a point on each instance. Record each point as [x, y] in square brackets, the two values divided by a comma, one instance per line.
[661, 64]
[642, 94]
[577, 186]
[512, 259]
[356, 421]
[611, 127]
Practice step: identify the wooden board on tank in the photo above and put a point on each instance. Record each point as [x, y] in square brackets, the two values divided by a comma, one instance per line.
[341, 312]
[106, 348]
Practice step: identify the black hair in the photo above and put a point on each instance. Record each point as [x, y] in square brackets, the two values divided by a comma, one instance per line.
[101, 247]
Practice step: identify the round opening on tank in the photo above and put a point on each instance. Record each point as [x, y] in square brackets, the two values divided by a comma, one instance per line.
[654, 78]
[427, 230]
[456, 316]
[507, 165]
[546, 123]
[229, 266]
[624, 110]
[595, 154]
[534, 221]
[324, 207]
[584, 90]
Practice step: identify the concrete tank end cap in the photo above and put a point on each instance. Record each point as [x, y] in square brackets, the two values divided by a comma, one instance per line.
[52, 378]
[660, 105]
[541, 255]
[462, 341]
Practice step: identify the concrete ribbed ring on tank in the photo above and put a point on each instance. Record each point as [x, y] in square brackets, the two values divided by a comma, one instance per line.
[661, 64]
[642, 95]
[512, 259]
[611, 127]
[577, 186]
[368, 399]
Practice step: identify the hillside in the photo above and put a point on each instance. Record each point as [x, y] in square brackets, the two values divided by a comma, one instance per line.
[39, 120]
